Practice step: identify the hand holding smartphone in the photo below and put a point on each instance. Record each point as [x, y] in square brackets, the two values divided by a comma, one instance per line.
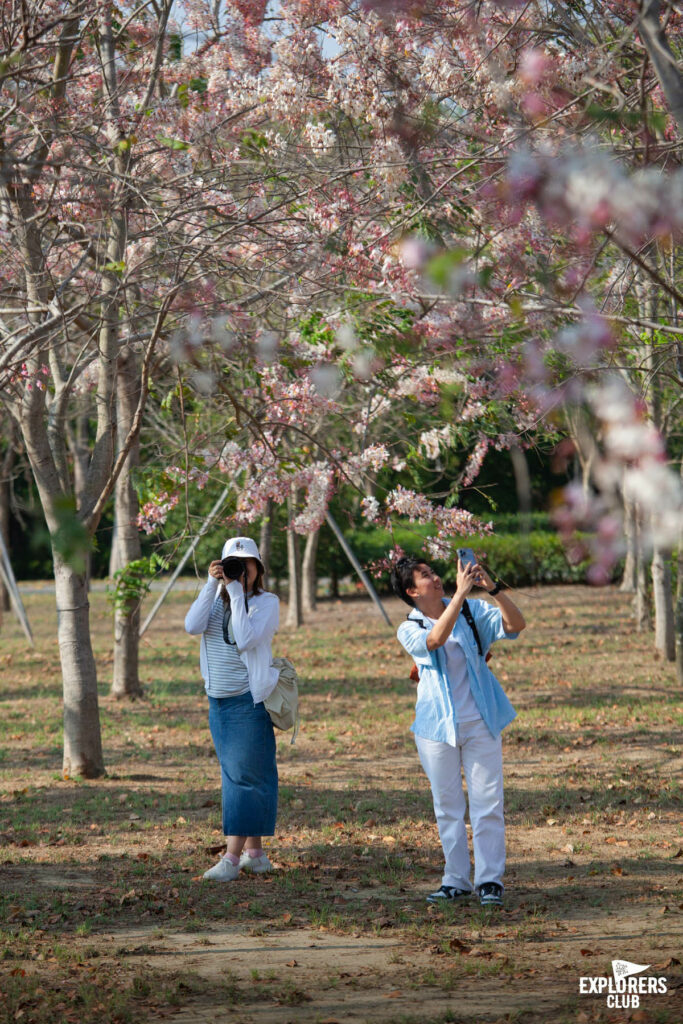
[466, 556]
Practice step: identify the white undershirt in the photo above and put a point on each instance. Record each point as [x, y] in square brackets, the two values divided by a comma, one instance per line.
[458, 677]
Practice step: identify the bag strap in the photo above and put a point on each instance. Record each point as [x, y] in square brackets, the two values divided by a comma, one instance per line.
[227, 616]
[469, 619]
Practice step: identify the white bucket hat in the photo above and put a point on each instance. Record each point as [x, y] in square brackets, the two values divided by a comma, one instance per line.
[241, 547]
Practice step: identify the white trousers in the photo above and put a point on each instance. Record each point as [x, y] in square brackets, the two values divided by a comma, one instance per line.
[479, 755]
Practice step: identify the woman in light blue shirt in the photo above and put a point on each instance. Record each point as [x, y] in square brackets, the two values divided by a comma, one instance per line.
[460, 712]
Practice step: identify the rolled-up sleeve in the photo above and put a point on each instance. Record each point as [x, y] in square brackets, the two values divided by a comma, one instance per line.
[256, 626]
[413, 639]
[489, 620]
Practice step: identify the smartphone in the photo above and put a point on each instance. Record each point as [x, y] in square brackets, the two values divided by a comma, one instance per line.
[467, 556]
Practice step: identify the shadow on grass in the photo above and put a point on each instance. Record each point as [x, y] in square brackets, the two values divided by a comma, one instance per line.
[338, 887]
[112, 803]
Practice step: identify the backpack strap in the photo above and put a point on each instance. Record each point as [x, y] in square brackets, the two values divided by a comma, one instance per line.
[469, 618]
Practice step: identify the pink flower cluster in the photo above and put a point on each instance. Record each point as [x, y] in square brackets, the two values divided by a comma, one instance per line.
[155, 512]
[199, 477]
[632, 466]
[29, 380]
[449, 522]
[475, 461]
[319, 482]
[293, 402]
[586, 190]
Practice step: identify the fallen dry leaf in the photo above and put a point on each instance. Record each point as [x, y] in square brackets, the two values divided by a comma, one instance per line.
[458, 947]
[665, 964]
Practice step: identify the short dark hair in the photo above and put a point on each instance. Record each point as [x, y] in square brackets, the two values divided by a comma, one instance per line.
[402, 577]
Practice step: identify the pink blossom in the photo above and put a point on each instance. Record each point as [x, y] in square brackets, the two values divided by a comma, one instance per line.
[533, 65]
[155, 512]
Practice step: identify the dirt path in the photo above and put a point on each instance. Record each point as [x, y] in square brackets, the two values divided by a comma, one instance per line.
[287, 977]
[305, 975]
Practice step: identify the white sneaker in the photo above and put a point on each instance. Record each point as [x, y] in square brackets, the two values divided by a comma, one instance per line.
[224, 871]
[257, 865]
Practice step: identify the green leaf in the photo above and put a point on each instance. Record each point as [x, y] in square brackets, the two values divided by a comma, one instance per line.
[71, 539]
[133, 581]
[441, 267]
[485, 275]
[173, 143]
[175, 46]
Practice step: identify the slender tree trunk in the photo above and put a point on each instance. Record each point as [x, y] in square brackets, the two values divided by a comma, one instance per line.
[661, 573]
[641, 601]
[294, 609]
[663, 60]
[79, 446]
[266, 541]
[309, 572]
[665, 639]
[82, 742]
[584, 445]
[4, 529]
[628, 582]
[126, 540]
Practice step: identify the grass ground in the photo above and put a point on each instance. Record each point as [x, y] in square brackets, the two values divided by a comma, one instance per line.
[104, 917]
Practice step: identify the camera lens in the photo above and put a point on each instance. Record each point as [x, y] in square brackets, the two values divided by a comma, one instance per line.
[234, 568]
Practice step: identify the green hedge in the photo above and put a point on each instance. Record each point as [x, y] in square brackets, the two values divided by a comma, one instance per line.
[519, 560]
[516, 559]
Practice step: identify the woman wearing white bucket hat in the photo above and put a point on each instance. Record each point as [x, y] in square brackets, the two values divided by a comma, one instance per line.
[237, 620]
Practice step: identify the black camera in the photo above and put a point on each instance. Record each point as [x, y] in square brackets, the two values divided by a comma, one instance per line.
[234, 568]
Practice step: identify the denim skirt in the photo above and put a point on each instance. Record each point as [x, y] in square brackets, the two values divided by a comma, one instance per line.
[243, 736]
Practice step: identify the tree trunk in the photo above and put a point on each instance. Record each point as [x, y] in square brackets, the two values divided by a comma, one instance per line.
[79, 447]
[266, 541]
[309, 572]
[663, 60]
[82, 741]
[641, 601]
[4, 529]
[585, 447]
[665, 640]
[126, 539]
[294, 610]
[628, 581]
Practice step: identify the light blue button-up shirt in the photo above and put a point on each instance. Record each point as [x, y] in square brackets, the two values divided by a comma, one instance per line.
[435, 715]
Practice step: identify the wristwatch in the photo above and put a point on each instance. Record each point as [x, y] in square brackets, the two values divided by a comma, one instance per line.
[496, 590]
